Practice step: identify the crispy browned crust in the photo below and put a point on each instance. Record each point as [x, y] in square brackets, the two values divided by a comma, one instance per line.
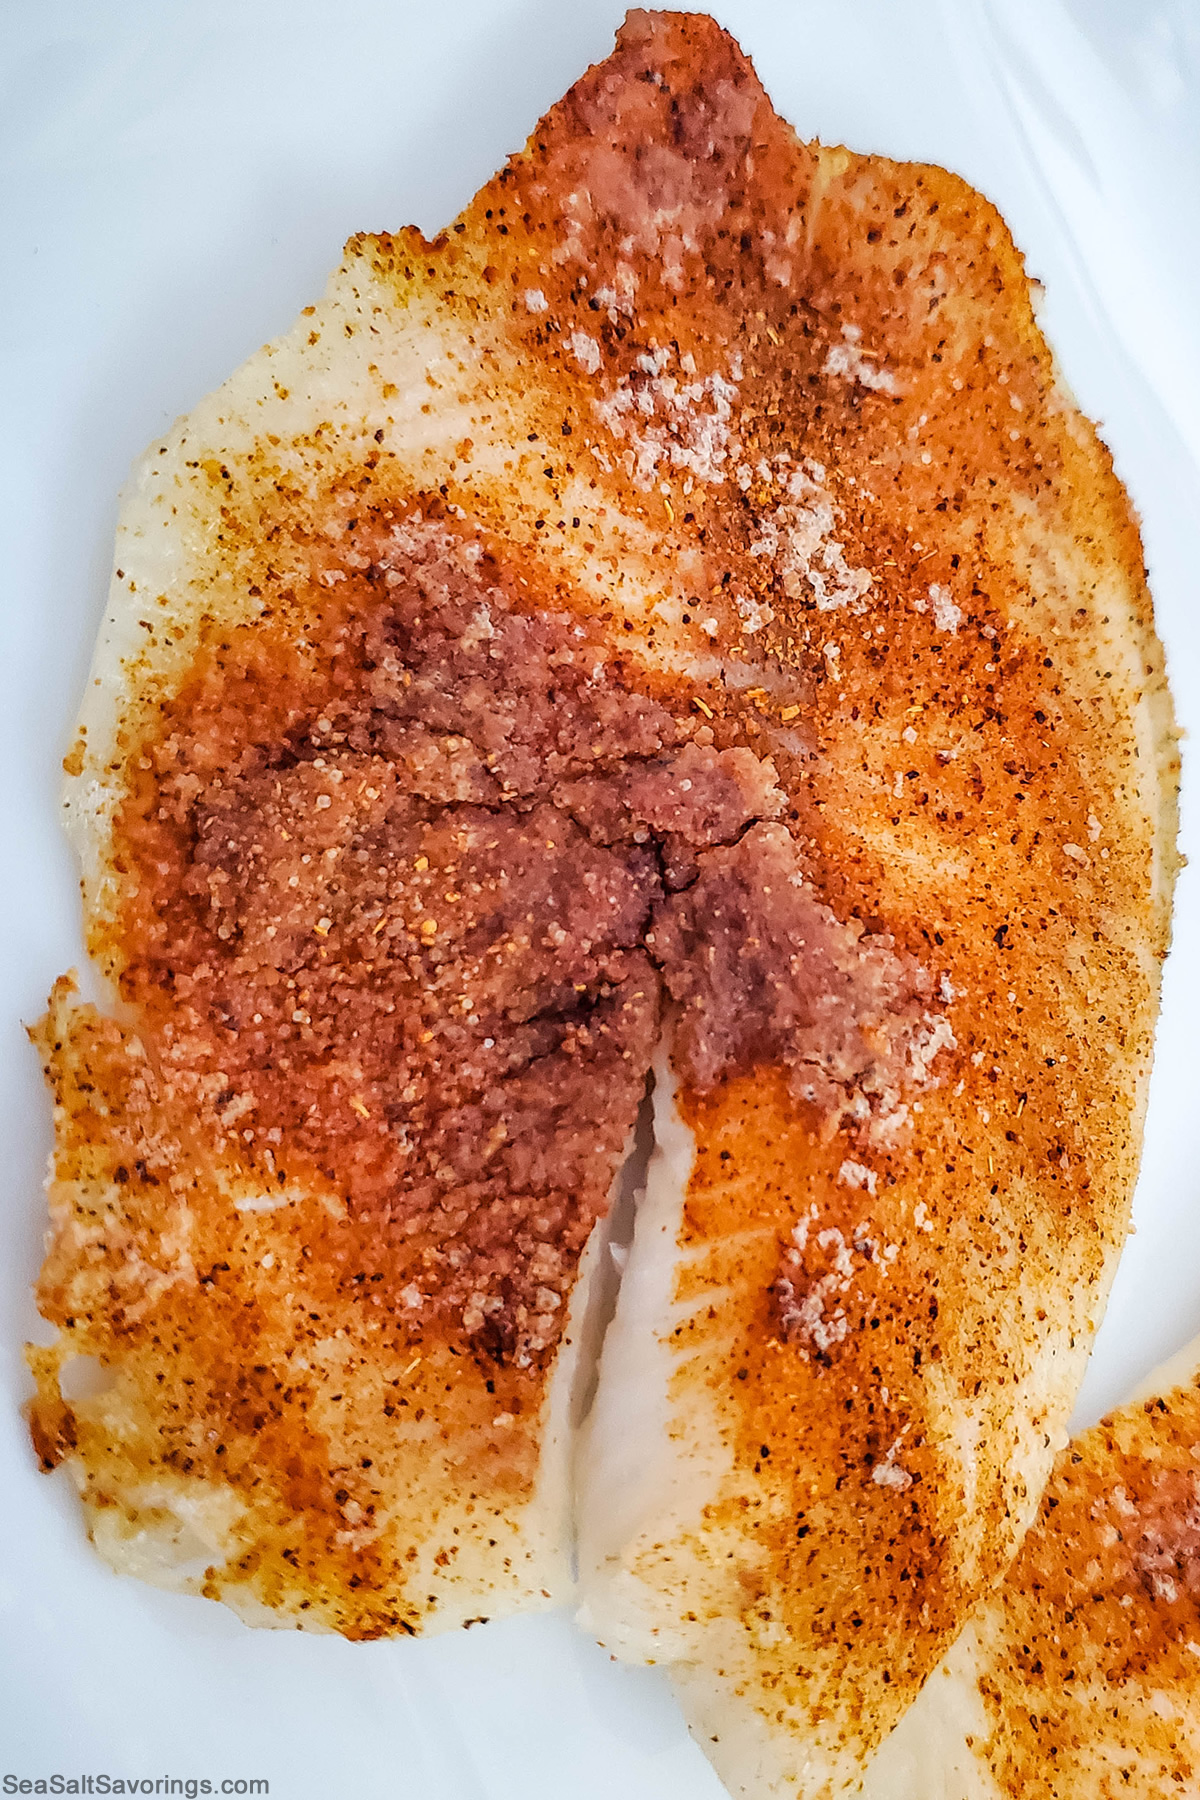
[976, 743]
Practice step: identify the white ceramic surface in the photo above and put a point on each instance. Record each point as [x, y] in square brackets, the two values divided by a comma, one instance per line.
[175, 182]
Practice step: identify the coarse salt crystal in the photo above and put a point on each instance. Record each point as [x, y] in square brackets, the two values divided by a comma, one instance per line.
[585, 350]
[946, 616]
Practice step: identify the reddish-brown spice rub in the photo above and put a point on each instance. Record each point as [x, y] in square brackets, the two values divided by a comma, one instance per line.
[766, 973]
[405, 880]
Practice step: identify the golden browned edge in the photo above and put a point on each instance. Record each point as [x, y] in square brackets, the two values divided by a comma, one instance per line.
[1022, 1226]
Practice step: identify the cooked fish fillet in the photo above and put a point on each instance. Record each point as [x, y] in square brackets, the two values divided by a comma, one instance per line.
[1078, 1679]
[677, 614]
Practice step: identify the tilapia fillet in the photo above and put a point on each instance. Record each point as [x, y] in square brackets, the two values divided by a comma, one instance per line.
[673, 628]
[1080, 1678]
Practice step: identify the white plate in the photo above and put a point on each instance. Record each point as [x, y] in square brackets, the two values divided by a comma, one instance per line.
[177, 181]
